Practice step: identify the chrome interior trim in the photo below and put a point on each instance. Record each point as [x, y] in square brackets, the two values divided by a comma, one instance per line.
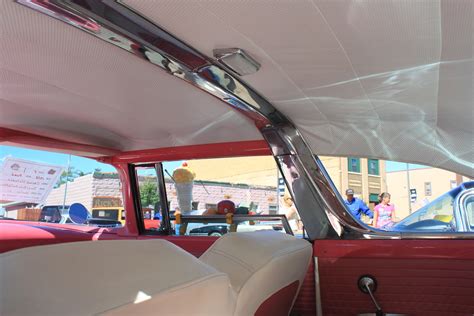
[436, 235]
[460, 212]
[237, 218]
[317, 288]
[221, 54]
[319, 204]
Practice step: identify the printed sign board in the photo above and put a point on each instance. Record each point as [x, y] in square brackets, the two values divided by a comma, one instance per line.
[106, 201]
[27, 181]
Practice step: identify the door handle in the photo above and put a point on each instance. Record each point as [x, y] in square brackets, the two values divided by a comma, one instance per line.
[368, 285]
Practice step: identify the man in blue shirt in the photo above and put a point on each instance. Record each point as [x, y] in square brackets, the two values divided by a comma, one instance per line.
[357, 206]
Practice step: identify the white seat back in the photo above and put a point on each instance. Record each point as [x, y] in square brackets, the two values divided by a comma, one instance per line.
[259, 265]
[113, 277]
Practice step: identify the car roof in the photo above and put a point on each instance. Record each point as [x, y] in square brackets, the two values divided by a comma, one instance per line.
[372, 79]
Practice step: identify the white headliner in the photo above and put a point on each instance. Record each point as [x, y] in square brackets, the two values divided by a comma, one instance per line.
[384, 79]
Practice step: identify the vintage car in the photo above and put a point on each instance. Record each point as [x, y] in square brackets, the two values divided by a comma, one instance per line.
[60, 214]
[135, 84]
[110, 212]
[453, 211]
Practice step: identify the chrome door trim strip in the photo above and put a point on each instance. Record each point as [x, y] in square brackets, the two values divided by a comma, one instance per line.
[317, 288]
[320, 206]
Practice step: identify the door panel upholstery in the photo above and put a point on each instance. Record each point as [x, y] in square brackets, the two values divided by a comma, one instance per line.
[305, 302]
[415, 277]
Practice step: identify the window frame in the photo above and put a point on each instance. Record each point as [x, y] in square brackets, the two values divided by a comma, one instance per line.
[165, 203]
[349, 164]
[372, 233]
[161, 191]
[460, 210]
[377, 168]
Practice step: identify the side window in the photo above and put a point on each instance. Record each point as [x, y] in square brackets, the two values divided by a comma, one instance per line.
[401, 197]
[150, 201]
[212, 188]
[56, 188]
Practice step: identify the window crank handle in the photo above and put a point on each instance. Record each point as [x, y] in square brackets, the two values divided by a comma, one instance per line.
[368, 285]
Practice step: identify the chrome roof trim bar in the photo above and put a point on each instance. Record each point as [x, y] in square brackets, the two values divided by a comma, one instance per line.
[319, 203]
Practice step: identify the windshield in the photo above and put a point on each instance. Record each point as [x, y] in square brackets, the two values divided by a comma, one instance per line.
[440, 209]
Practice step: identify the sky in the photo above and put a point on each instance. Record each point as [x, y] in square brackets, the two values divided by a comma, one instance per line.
[89, 165]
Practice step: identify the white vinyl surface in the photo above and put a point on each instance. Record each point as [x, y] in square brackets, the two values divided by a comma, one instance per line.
[375, 78]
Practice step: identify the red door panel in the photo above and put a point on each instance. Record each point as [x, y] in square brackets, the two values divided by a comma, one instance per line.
[415, 277]
[305, 302]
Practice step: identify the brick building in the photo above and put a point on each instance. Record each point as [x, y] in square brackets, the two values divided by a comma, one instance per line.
[205, 193]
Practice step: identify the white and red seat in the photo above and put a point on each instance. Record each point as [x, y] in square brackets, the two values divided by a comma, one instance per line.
[128, 277]
[241, 274]
[266, 269]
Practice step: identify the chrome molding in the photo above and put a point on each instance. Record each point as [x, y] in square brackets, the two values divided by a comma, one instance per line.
[237, 219]
[225, 56]
[320, 206]
[317, 288]
[460, 211]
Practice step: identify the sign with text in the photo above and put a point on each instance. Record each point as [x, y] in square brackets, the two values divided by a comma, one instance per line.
[413, 195]
[27, 181]
[106, 201]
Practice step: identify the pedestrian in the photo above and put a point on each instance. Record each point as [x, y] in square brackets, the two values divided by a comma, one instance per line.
[384, 212]
[356, 206]
[291, 212]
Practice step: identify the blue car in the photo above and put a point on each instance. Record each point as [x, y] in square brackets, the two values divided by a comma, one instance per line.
[451, 212]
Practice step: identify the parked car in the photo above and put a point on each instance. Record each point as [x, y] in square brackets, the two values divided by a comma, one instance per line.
[60, 214]
[110, 213]
[208, 230]
[451, 212]
[55, 214]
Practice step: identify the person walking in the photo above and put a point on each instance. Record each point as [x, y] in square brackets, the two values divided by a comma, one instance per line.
[384, 212]
[356, 206]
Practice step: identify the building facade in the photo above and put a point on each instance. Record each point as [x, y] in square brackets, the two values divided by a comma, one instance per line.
[206, 194]
[367, 177]
[429, 184]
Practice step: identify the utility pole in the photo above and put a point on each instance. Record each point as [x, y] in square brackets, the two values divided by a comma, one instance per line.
[65, 185]
[408, 188]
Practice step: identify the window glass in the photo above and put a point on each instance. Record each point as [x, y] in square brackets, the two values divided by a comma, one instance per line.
[373, 166]
[417, 198]
[440, 210]
[150, 199]
[244, 186]
[353, 164]
[58, 189]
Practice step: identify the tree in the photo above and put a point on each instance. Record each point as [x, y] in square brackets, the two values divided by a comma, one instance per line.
[69, 175]
[148, 193]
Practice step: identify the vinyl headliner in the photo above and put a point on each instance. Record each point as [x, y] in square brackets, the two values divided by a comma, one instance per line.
[383, 79]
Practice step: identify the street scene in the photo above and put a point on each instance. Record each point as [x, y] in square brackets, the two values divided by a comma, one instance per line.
[376, 192]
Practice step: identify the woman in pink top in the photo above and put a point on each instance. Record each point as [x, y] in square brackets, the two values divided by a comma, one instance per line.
[384, 212]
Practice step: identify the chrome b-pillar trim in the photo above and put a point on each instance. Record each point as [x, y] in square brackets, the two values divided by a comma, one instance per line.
[320, 206]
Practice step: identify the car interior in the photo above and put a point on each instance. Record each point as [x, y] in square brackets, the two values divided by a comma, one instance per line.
[136, 84]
